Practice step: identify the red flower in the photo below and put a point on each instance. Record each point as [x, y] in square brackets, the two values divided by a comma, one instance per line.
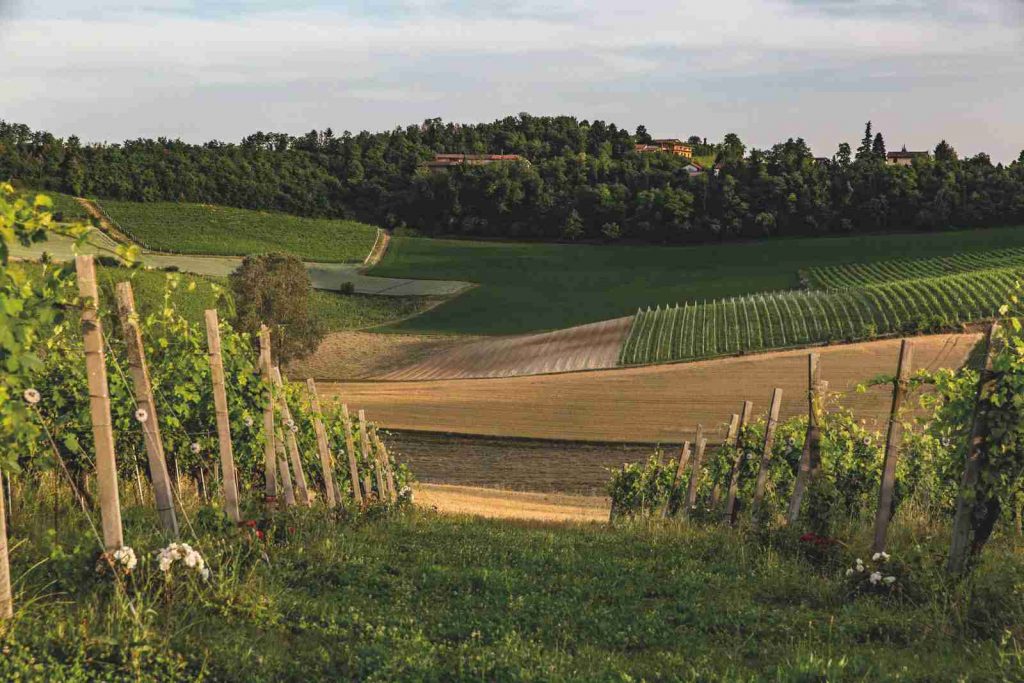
[259, 534]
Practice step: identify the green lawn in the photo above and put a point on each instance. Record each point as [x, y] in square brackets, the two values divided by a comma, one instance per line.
[224, 231]
[361, 311]
[532, 287]
[428, 598]
[65, 208]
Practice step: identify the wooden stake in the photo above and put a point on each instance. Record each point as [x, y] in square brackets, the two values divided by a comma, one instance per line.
[326, 461]
[960, 548]
[804, 471]
[269, 449]
[382, 453]
[893, 441]
[6, 599]
[99, 405]
[220, 404]
[730, 440]
[766, 450]
[684, 460]
[364, 442]
[350, 448]
[282, 466]
[698, 459]
[301, 491]
[737, 462]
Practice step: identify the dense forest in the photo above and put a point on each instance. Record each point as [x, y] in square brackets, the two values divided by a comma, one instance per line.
[579, 180]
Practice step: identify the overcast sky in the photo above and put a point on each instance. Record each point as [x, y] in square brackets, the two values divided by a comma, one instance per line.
[922, 70]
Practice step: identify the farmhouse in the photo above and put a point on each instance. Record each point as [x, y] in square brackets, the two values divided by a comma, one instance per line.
[693, 169]
[904, 158]
[442, 162]
[670, 145]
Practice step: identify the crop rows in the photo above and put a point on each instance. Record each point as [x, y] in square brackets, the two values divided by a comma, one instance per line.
[863, 274]
[794, 318]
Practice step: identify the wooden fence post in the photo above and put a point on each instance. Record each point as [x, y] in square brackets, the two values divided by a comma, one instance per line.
[6, 599]
[220, 405]
[382, 453]
[364, 442]
[804, 470]
[960, 547]
[326, 461]
[144, 399]
[730, 440]
[269, 449]
[684, 460]
[99, 404]
[282, 467]
[290, 427]
[893, 440]
[350, 448]
[737, 463]
[766, 450]
[698, 461]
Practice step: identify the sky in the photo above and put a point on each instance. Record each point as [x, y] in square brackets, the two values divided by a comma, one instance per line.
[767, 70]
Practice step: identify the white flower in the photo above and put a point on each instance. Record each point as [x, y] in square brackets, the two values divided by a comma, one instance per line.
[249, 421]
[141, 415]
[876, 557]
[884, 555]
[849, 572]
[196, 447]
[31, 396]
[205, 573]
[889, 580]
[165, 562]
[875, 577]
[289, 423]
[126, 557]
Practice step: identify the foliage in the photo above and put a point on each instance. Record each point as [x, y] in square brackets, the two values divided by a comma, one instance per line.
[203, 229]
[275, 290]
[642, 488]
[578, 177]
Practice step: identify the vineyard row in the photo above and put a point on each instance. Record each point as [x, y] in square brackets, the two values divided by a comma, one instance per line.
[883, 272]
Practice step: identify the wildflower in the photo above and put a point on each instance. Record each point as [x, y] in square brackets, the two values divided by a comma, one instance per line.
[849, 572]
[875, 577]
[141, 415]
[889, 580]
[205, 573]
[125, 556]
[196, 447]
[31, 396]
[883, 556]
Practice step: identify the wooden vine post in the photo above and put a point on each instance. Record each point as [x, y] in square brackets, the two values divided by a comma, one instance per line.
[730, 440]
[766, 450]
[961, 547]
[282, 467]
[301, 490]
[6, 599]
[737, 463]
[144, 400]
[698, 458]
[382, 453]
[99, 405]
[326, 461]
[364, 442]
[350, 451]
[893, 441]
[684, 460]
[806, 460]
[269, 449]
[220, 405]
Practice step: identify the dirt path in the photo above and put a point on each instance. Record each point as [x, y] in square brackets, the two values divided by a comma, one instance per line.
[655, 404]
[543, 507]
[585, 347]
[380, 247]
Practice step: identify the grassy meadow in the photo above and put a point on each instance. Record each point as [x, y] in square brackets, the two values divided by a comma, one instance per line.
[220, 230]
[423, 597]
[533, 287]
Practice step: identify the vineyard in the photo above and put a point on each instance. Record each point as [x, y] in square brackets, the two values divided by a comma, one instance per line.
[800, 317]
[881, 272]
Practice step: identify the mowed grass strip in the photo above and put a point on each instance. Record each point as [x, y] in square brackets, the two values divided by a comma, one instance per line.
[795, 318]
[536, 287]
[225, 231]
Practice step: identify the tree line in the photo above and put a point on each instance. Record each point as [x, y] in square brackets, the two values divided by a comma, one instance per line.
[578, 180]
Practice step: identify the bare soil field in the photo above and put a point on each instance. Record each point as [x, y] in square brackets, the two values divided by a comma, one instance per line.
[654, 404]
[585, 347]
[365, 355]
[514, 464]
[537, 507]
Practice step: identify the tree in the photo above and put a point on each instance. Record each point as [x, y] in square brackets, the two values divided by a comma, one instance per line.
[878, 147]
[842, 156]
[945, 152]
[275, 289]
[864, 151]
[642, 136]
[732, 150]
[573, 226]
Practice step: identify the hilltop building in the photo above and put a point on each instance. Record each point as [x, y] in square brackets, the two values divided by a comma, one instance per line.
[669, 145]
[443, 162]
[904, 158]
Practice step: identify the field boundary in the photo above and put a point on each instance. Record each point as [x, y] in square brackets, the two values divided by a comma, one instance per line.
[379, 248]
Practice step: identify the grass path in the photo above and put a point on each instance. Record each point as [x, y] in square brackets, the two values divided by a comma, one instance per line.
[499, 504]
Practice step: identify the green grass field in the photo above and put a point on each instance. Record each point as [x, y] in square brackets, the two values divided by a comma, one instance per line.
[224, 231]
[360, 311]
[532, 287]
[65, 208]
[426, 598]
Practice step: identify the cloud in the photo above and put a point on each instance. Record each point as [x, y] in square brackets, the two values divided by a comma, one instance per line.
[690, 67]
